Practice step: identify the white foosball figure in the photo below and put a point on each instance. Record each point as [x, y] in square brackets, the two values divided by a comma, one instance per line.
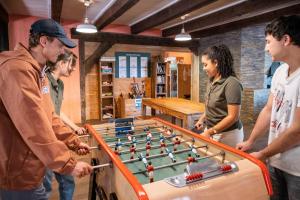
[170, 155]
[119, 145]
[133, 141]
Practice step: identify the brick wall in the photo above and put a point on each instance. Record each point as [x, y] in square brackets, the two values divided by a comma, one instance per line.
[250, 63]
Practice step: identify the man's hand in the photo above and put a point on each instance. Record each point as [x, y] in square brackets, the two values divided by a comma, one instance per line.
[244, 146]
[80, 131]
[259, 155]
[82, 169]
[82, 149]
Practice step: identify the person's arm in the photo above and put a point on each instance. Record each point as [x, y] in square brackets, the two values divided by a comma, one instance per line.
[232, 116]
[286, 140]
[72, 125]
[261, 126]
[22, 99]
[200, 123]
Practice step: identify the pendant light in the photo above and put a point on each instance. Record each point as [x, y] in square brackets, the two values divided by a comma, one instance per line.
[183, 36]
[86, 27]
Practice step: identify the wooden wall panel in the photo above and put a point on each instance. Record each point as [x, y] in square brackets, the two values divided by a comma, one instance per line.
[92, 93]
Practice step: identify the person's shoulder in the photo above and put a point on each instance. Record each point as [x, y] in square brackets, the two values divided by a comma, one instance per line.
[281, 70]
[233, 81]
[15, 64]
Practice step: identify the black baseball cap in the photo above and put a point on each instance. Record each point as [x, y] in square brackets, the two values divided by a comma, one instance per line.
[51, 28]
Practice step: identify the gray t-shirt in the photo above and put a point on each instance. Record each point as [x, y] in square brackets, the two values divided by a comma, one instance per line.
[221, 93]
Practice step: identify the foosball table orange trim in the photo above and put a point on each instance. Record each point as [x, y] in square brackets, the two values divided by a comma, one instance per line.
[260, 164]
[141, 193]
[138, 188]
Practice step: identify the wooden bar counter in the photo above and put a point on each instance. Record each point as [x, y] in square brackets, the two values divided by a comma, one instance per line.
[186, 110]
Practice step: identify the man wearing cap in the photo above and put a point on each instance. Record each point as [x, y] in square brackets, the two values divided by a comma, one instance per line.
[32, 137]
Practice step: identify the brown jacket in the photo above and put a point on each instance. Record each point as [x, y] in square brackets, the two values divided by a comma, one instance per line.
[31, 135]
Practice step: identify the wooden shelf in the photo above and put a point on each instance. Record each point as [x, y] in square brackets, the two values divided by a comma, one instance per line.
[106, 77]
[107, 97]
[159, 80]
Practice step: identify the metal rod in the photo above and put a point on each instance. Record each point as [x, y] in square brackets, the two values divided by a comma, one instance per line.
[164, 154]
[114, 132]
[154, 147]
[100, 166]
[133, 135]
[109, 128]
[143, 141]
[178, 163]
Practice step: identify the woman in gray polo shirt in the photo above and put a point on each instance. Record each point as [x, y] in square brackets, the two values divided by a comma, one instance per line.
[221, 119]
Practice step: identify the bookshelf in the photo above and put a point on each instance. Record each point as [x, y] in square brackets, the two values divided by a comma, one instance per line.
[106, 87]
[159, 80]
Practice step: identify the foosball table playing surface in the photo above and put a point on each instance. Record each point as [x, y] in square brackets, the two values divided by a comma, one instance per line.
[154, 159]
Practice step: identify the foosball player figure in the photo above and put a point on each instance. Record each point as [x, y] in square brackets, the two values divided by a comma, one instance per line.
[176, 143]
[132, 151]
[190, 159]
[129, 137]
[116, 151]
[162, 147]
[161, 137]
[148, 133]
[148, 139]
[148, 147]
[133, 141]
[119, 145]
[150, 170]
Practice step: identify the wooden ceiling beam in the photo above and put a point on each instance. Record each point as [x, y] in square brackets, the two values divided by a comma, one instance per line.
[115, 11]
[118, 38]
[226, 14]
[176, 10]
[3, 14]
[56, 8]
[101, 49]
[244, 22]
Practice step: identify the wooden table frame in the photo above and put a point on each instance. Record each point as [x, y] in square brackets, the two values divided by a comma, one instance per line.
[186, 110]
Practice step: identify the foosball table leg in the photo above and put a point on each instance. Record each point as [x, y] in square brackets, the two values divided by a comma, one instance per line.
[93, 184]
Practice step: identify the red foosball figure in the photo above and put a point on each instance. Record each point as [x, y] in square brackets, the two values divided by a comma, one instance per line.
[150, 170]
[176, 143]
[190, 159]
[132, 151]
[162, 147]
[148, 147]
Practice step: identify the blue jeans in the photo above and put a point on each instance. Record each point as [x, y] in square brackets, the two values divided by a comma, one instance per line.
[66, 184]
[285, 186]
[38, 193]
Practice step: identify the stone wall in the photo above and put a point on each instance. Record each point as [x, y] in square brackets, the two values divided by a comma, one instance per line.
[232, 40]
[250, 63]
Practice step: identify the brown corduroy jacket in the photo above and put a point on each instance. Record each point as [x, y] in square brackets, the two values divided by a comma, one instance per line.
[32, 137]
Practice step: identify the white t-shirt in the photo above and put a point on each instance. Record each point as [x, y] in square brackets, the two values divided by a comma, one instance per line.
[286, 98]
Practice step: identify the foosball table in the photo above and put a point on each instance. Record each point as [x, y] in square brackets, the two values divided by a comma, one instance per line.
[154, 159]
